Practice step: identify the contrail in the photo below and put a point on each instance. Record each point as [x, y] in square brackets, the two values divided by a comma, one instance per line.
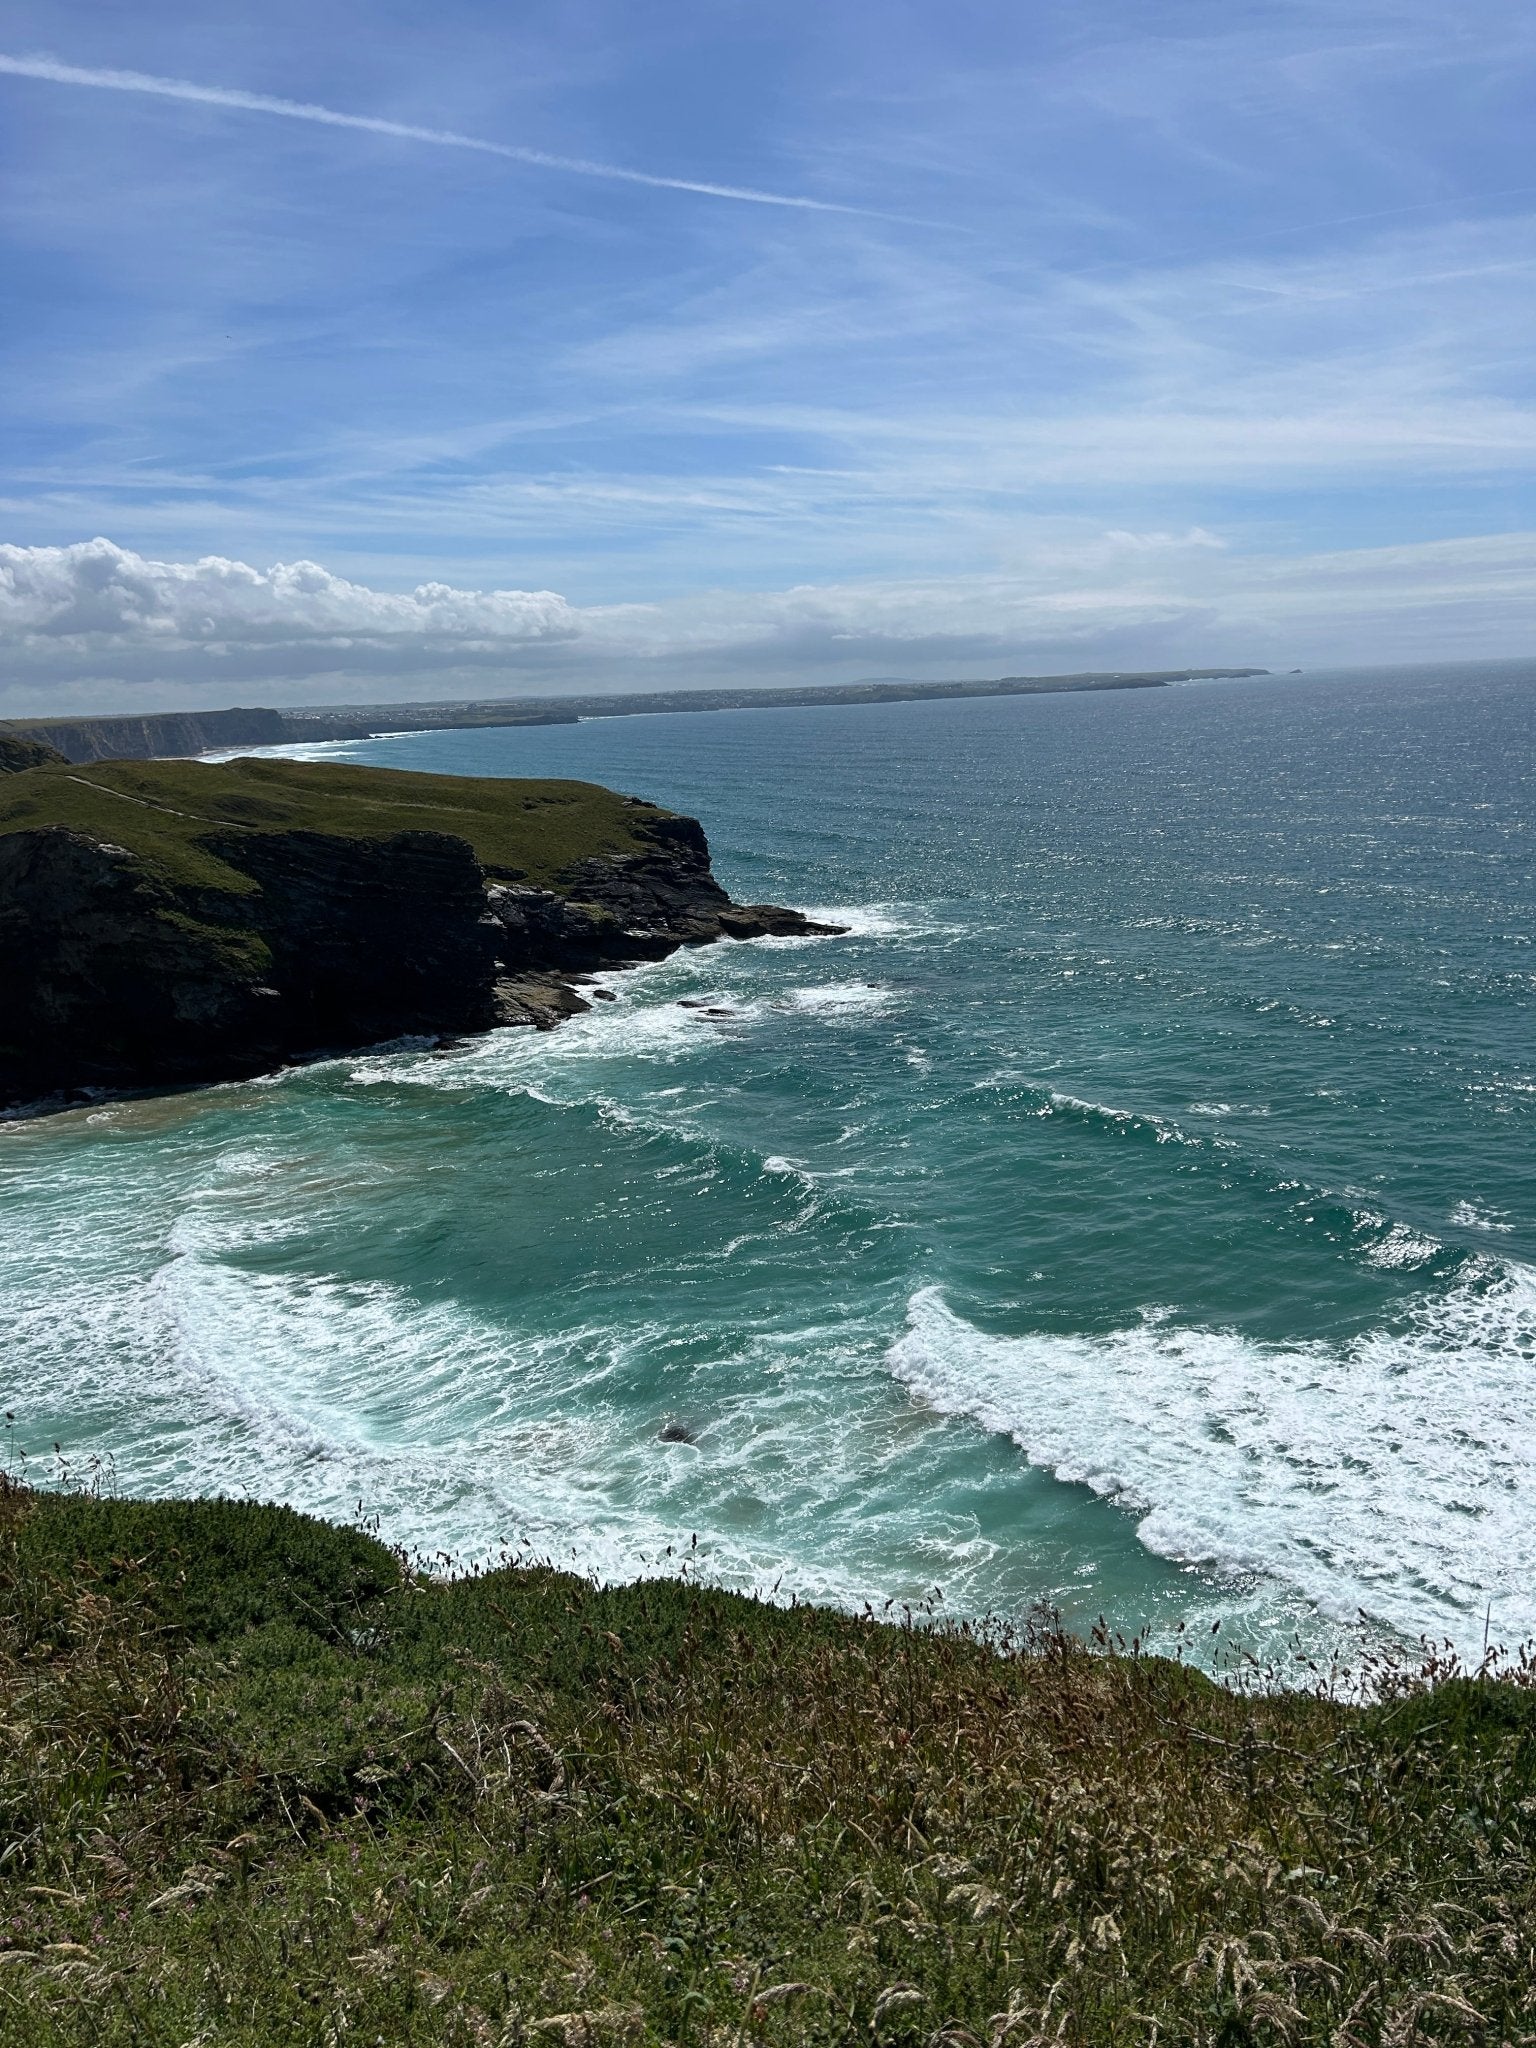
[404, 131]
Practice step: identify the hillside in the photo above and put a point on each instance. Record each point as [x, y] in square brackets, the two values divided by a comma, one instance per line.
[262, 1786]
[17, 752]
[163, 811]
[171, 921]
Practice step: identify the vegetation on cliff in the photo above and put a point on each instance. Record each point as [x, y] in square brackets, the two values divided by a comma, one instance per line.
[18, 752]
[182, 818]
[164, 922]
[261, 1784]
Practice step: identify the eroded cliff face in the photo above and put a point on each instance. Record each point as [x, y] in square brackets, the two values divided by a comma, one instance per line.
[106, 977]
[617, 909]
[113, 980]
[113, 977]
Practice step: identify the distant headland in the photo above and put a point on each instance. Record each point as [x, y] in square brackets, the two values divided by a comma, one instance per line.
[181, 922]
[173, 735]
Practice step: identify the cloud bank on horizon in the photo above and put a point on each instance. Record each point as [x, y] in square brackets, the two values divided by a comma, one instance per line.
[90, 619]
[581, 350]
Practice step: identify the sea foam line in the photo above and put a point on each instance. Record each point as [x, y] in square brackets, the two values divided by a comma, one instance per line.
[1394, 1475]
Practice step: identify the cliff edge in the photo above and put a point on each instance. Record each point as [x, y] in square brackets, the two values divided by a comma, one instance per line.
[167, 922]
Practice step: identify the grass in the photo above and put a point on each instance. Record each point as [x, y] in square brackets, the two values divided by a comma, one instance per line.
[185, 817]
[260, 1783]
[18, 751]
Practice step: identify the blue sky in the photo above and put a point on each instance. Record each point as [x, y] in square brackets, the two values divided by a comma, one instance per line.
[1093, 334]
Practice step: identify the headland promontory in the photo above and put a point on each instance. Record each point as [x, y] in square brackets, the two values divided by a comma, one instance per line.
[173, 922]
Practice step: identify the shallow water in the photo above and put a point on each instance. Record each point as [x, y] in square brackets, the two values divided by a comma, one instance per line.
[1136, 1211]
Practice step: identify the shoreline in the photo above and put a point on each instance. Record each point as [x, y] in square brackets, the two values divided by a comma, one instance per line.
[181, 735]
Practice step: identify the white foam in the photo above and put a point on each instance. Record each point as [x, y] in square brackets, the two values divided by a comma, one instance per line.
[1163, 1129]
[1395, 1474]
[517, 1058]
[469, 1437]
[842, 998]
[1403, 1248]
[1473, 1216]
[882, 920]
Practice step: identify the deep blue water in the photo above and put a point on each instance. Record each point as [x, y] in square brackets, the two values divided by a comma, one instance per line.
[1137, 1211]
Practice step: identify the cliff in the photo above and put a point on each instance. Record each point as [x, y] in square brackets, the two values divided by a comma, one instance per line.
[160, 735]
[174, 921]
[18, 752]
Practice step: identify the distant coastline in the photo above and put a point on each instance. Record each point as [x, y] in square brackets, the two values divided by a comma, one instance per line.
[179, 735]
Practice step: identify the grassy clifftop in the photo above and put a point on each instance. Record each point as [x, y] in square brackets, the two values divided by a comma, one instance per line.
[166, 811]
[173, 922]
[262, 1785]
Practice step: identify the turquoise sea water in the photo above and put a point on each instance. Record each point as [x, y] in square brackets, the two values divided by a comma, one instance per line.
[1136, 1211]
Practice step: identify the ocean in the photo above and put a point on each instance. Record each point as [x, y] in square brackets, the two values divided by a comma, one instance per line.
[1134, 1215]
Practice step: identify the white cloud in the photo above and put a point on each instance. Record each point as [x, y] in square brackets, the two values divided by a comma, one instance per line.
[72, 606]
[96, 626]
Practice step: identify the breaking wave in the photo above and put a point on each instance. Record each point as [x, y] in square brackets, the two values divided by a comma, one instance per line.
[1393, 1475]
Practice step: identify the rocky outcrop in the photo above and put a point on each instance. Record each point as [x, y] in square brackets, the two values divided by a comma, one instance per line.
[615, 910]
[120, 970]
[638, 906]
[18, 751]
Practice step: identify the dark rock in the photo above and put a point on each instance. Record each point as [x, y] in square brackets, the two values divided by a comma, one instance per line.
[675, 1433]
[123, 967]
[109, 984]
[614, 908]
[540, 1000]
[770, 921]
[371, 939]
[115, 980]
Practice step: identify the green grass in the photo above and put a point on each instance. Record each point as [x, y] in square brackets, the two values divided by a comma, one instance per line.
[262, 1784]
[18, 751]
[168, 811]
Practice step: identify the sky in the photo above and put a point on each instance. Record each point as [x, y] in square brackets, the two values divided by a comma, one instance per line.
[357, 353]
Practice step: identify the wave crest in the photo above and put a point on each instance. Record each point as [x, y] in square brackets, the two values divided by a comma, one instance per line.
[1393, 1475]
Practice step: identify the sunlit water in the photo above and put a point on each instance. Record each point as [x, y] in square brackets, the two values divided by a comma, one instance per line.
[1135, 1212]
